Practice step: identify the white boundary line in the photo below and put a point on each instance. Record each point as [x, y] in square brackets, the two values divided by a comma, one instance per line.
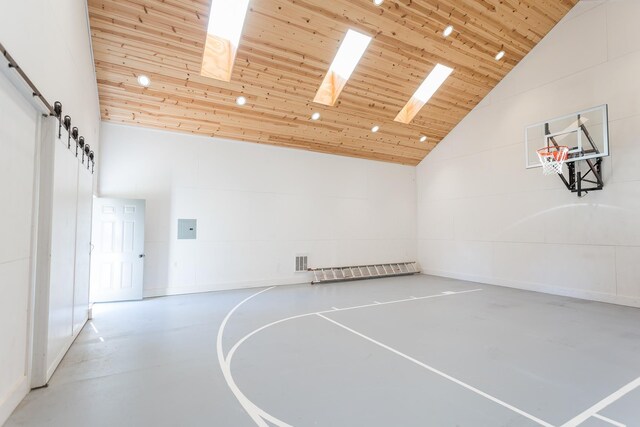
[609, 420]
[576, 421]
[229, 357]
[231, 353]
[442, 374]
[257, 414]
[396, 301]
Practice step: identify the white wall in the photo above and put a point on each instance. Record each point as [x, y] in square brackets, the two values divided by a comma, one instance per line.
[483, 217]
[257, 207]
[50, 40]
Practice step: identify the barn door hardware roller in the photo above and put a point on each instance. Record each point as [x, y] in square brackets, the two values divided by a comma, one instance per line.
[45, 107]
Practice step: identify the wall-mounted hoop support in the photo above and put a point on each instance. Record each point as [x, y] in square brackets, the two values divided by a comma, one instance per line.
[572, 146]
[578, 181]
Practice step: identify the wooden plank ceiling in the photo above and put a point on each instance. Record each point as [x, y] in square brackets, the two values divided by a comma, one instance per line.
[285, 51]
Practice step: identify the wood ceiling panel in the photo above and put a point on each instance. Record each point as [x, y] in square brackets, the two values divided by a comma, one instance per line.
[284, 54]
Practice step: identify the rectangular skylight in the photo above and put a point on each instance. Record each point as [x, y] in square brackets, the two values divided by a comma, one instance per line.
[431, 84]
[349, 54]
[226, 20]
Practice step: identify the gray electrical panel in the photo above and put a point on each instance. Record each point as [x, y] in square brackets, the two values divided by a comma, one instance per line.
[187, 228]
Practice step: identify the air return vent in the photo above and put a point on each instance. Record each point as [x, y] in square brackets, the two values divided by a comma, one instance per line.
[301, 263]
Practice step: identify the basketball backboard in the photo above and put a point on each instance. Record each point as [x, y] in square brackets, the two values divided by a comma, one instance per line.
[586, 133]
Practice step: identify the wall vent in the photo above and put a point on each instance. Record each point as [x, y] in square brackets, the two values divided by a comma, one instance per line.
[301, 263]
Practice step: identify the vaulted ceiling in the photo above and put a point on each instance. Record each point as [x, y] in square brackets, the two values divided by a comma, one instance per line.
[284, 53]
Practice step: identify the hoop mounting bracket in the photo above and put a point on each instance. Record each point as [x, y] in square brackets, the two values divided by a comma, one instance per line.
[583, 183]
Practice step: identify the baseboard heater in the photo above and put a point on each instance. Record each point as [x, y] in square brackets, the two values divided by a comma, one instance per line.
[360, 272]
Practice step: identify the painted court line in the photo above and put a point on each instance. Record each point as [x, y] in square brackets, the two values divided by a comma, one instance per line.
[602, 404]
[257, 414]
[609, 420]
[400, 300]
[442, 374]
[235, 347]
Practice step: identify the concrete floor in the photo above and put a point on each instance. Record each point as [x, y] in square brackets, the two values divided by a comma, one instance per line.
[410, 351]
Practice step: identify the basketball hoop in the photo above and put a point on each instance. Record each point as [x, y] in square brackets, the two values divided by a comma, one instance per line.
[552, 158]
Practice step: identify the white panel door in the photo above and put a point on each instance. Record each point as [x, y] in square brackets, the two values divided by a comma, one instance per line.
[117, 258]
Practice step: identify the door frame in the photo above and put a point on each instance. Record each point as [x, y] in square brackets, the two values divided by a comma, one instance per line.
[94, 274]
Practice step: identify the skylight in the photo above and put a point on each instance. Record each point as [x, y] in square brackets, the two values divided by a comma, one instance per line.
[431, 84]
[351, 50]
[226, 20]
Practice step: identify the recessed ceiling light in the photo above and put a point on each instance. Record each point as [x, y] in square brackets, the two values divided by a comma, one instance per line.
[226, 19]
[241, 100]
[378, 2]
[500, 55]
[315, 116]
[144, 80]
[447, 31]
[434, 80]
[351, 50]
[423, 138]
[375, 129]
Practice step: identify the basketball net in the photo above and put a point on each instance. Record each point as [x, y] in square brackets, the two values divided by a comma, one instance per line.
[552, 158]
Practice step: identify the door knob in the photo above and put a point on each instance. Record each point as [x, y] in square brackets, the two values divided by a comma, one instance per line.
[141, 256]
